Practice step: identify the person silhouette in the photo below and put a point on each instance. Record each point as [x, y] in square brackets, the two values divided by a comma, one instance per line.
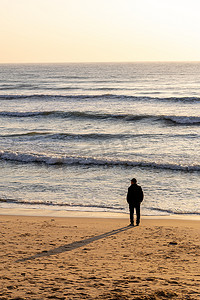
[134, 198]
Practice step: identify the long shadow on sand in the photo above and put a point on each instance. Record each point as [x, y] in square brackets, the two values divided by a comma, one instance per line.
[75, 245]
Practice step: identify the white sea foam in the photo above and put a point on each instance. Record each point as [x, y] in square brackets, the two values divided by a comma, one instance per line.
[76, 160]
[183, 120]
[177, 120]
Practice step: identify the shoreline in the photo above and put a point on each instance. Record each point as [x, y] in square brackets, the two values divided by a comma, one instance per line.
[86, 214]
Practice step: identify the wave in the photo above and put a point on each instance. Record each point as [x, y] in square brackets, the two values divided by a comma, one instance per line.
[28, 134]
[74, 114]
[66, 97]
[63, 136]
[67, 205]
[90, 161]
[173, 212]
[100, 207]
[183, 120]
[178, 120]
[29, 114]
[93, 136]
[18, 86]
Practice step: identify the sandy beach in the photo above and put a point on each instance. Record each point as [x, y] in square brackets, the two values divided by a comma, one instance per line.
[99, 258]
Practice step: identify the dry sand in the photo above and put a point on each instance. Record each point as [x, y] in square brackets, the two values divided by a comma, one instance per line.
[93, 258]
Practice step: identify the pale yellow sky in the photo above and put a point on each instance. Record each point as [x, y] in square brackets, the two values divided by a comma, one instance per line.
[99, 30]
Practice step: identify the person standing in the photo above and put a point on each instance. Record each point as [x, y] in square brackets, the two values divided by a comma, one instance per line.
[134, 198]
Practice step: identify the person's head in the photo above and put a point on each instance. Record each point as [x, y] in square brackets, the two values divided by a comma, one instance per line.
[133, 181]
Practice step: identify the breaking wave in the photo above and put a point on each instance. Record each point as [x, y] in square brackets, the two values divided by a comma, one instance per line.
[63, 205]
[183, 120]
[173, 212]
[90, 161]
[177, 120]
[90, 136]
[149, 211]
[63, 136]
[51, 97]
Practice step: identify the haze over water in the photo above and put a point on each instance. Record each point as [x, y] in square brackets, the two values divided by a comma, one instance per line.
[73, 135]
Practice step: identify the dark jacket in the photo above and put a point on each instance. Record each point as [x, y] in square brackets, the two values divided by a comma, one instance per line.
[135, 195]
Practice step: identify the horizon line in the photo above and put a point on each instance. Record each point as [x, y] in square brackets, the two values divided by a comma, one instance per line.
[105, 62]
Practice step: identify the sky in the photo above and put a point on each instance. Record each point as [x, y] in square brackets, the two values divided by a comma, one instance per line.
[36, 31]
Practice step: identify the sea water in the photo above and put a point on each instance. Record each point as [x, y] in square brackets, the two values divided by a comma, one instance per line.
[73, 135]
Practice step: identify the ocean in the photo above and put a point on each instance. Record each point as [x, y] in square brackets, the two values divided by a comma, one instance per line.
[73, 135]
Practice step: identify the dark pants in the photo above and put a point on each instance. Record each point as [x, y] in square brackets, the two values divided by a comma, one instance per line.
[137, 208]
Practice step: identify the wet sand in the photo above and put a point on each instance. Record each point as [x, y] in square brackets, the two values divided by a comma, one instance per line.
[98, 258]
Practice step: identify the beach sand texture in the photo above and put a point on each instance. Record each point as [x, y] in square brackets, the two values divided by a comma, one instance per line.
[93, 258]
